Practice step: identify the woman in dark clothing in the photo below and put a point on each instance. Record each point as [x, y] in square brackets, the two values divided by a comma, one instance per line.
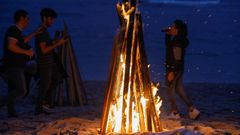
[176, 43]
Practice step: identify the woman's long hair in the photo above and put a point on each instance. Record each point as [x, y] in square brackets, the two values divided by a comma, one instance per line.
[182, 28]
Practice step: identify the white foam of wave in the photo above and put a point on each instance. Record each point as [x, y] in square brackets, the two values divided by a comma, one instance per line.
[186, 2]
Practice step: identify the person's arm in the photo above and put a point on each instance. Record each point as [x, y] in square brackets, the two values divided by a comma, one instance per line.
[12, 46]
[45, 49]
[30, 36]
[167, 39]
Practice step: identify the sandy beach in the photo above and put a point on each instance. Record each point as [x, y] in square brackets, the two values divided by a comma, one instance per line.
[212, 72]
[219, 104]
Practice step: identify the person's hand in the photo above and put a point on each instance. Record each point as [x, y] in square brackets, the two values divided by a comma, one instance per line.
[54, 41]
[170, 76]
[29, 53]
[39, 30]
[61, 41]
[168, 32]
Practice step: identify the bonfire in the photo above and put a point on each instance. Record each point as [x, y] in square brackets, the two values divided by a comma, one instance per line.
[131, 103]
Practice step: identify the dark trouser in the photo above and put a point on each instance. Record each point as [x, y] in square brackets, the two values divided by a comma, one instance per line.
[176, 85]
[48, 83]
[30, 70]
[17, 86]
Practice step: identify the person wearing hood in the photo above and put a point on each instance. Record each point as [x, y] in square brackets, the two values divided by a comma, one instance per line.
[176, 43]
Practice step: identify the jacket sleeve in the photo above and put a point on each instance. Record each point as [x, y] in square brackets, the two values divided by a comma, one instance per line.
[167, 39]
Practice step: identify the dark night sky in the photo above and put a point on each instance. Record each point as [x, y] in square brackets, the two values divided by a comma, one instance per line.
[214, 35]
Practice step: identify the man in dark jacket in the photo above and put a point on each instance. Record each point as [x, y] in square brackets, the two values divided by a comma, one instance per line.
[16, 54]
[176, 43]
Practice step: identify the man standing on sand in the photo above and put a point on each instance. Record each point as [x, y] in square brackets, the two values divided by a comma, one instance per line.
[47, 68]
[16, 54]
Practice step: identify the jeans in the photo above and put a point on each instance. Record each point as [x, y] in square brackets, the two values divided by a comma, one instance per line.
[176, 85]
[48, 84]
[17, 85]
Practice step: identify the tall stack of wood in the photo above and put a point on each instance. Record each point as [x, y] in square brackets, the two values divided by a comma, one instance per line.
[72, 90]
[129, 79]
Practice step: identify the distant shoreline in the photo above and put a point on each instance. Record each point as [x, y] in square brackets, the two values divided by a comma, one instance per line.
[185, 2]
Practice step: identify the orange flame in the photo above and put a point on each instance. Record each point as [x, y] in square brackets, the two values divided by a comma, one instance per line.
[114, 122]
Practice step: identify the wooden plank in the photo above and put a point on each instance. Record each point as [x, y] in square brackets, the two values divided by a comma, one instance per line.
[114, 67]
[74, 87]
[148, 88]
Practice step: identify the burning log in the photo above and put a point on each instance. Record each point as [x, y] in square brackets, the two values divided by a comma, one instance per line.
[130, 104]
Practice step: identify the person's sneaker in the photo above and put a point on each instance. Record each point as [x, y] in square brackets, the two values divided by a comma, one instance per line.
[52, 106]
[41, 112]
[194, 113]
[174, 115]
[47, 108]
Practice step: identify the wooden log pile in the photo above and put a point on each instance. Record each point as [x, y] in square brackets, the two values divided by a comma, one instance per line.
[129, 104]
